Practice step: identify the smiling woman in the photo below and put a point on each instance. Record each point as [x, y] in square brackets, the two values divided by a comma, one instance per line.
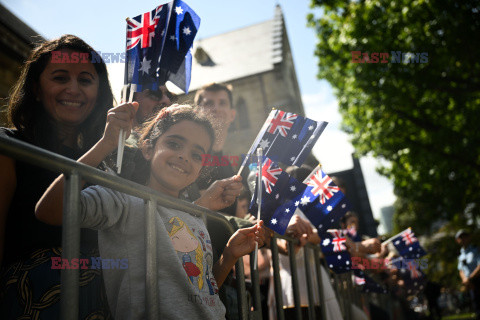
[61, 107]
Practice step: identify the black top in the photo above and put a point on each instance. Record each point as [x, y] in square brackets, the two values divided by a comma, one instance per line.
[211, 174]
[23, 232]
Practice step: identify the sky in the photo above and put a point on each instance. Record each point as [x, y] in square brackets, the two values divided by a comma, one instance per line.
[102, 25]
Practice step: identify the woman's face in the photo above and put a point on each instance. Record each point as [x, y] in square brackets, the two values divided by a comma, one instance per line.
[176, 158]
[68, 91]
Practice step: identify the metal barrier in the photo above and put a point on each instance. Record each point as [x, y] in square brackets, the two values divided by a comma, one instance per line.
[75, 172]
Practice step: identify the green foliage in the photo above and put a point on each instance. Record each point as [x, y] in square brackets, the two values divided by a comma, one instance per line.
[421, 117]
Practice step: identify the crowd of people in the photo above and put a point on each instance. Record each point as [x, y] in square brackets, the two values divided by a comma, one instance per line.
[68, 108]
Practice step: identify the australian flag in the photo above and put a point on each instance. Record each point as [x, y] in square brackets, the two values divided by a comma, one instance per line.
[407, 245]
[368, 284]
[158, 48]
[336, 255]
[287, 138]
[278, 188]
[408, 270]
[322, 202]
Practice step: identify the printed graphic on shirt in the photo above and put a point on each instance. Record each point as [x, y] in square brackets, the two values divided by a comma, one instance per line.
[190, 248]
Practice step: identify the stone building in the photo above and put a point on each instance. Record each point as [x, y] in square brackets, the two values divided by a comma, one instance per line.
[257, 61]
[16, 41]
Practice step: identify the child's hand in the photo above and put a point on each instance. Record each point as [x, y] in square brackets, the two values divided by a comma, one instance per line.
[221, 194]
[118, 118]
[243, 241]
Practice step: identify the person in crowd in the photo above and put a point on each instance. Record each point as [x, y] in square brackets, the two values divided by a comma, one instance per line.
[469, 267]
[171, 145]
[59, 103]
[216, 101]
[150, 102]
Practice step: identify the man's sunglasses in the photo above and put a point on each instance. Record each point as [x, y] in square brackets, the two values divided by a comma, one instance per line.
[158, 95]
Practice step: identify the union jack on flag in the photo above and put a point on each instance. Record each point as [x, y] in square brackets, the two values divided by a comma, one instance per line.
[413, 270]
[359, 281]
[286, 138]
[270, 175]
[408, 236]
[281, 122]
[407, 245]
[142, 28]
[158, 46]
[338, 240]
[279, 189]
[321, 185]
[323, 210]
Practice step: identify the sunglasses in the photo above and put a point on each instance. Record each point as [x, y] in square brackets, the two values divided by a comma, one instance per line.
[158, 95]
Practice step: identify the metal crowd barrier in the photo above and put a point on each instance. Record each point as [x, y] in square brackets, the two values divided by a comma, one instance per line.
[75, 172]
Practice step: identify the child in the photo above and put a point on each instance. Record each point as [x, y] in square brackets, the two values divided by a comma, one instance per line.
[172, 145]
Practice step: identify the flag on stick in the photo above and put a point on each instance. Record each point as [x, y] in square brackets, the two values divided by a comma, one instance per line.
[286, 138]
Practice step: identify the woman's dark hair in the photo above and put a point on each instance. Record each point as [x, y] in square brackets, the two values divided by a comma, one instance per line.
[28, 116]
[157, 126]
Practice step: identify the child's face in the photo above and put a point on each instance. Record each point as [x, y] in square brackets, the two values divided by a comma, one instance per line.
[176, 159]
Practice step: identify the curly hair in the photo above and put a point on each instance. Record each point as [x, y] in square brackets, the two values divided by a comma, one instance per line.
[28, 116]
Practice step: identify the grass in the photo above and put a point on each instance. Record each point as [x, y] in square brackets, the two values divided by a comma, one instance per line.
[459, 316]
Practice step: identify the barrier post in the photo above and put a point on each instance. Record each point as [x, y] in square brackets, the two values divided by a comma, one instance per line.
[69, 287]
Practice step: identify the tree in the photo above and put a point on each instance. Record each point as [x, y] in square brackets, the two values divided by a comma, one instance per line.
[424, 118]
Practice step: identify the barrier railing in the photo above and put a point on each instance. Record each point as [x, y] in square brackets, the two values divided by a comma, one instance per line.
[75, 172]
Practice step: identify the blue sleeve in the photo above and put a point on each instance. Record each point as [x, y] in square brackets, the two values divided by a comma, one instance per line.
[102, 208]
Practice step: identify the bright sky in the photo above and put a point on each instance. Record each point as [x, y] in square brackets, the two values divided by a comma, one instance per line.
[102, 25]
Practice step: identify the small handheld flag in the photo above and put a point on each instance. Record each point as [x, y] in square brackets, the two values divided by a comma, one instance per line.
[286, 138]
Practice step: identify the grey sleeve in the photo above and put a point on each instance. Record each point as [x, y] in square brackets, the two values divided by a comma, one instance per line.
[101, 208]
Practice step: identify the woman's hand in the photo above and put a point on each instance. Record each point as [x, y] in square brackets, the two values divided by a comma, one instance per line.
[221, 194]
[118, 118]
[242, 242]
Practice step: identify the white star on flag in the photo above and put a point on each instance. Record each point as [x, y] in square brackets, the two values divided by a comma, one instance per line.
[264, 144]
[339, 257]
[145, 65]
[293, 188]
[287, 210]
[172, 37]
[179, 10]
[320, 226]
[329, 208]
[277, 196]
[326, 242]
[163, 32]
[187, 31]
[347, 263]
[397, 242]
[292, 158]
[294, 136]
[305, 200]
[410, 249]
[310, 128]
[274, 221]
[297, 203]
[343, 206]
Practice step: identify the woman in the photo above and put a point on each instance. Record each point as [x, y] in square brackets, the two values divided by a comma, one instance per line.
[59, 103]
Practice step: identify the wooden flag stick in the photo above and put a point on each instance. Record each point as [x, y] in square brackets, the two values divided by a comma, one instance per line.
[259, 199]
